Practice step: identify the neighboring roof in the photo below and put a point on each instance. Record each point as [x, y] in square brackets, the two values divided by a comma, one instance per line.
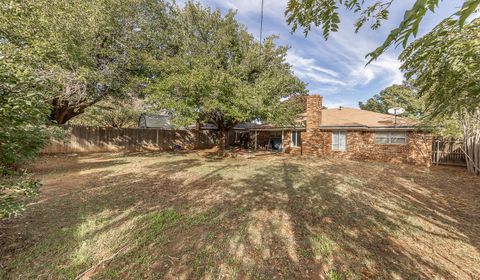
[164, 121]
[155, 121]
[245, 125]
[350, 117]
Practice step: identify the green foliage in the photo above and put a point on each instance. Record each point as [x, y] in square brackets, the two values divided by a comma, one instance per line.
[22, 133]
[23, 130]
[109, 113]
[220, 76]
[87, 50]
[297, 103]
[23, 114]
[445, 126]
[13, 192]
[324, 14]
[445, 65]
[395, 96]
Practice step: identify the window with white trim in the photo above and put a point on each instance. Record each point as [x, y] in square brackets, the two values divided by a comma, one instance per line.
[296, 139]
[391, 137]
[339, 140]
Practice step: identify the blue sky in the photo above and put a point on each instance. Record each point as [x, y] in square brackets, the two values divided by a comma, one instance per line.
[335, 68]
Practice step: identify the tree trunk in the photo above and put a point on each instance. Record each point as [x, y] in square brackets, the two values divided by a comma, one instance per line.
[63, 114]
[224, 141]
[63, 110]
[224, 127]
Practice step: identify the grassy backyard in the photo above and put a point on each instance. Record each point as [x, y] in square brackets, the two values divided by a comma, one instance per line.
[183, 216]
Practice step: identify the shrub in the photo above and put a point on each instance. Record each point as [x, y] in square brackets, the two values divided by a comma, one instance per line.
[14, 190]
[23, 132]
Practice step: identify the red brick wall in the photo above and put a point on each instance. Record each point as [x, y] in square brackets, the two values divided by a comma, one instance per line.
[361, 145]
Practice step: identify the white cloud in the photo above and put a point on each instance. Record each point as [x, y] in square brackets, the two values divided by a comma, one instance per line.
[349, 51]
[308, 68]
[325, 90]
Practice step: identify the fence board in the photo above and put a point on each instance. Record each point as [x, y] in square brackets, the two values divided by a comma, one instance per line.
[449, 152]
[81, 139]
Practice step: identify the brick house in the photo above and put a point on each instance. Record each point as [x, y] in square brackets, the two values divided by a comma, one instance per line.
[348, 133]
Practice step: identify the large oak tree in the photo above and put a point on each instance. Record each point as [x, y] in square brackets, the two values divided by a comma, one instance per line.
[87, 50]
[222, 75]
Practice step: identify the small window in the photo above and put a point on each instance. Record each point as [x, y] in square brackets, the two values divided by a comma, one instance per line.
[296, 139]
[339, 140]
[391, 137]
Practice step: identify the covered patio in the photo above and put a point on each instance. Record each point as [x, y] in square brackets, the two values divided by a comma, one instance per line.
[267, 138]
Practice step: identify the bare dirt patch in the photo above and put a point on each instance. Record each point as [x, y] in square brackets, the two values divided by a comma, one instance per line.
[196, 215]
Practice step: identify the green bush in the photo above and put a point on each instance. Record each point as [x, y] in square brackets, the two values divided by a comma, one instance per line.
[23, 130]
[14, 190]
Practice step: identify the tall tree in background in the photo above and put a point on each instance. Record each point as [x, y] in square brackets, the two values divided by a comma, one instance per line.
[445, 68]
[87, 50]
[220, 76]
[395, 96]
[324, 14]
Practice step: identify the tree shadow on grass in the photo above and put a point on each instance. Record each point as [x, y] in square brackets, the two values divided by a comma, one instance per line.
[315, 207]
[188, 217]
[103, 205]
[366, 239]
[406, 206]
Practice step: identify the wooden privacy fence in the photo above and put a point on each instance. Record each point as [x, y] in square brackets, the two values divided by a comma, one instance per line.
[449, 152]
[81, 139]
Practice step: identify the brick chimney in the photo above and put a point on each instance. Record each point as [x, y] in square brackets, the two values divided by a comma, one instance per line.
[312, 138]
[314, 111]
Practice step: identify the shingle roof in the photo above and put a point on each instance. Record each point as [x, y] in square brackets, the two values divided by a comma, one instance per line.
[361, 118]
[155, 121]
[335, 117]
[164, 121]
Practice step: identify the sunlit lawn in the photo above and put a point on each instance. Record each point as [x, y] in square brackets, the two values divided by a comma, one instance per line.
[183, 216]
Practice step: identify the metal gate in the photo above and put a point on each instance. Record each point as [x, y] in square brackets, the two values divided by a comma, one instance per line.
[449, 152]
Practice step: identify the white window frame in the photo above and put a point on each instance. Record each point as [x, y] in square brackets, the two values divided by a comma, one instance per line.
[389, 137]
[296, 137]
[337, 146]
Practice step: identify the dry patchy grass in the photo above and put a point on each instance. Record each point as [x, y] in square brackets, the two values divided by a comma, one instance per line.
[183, 216]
